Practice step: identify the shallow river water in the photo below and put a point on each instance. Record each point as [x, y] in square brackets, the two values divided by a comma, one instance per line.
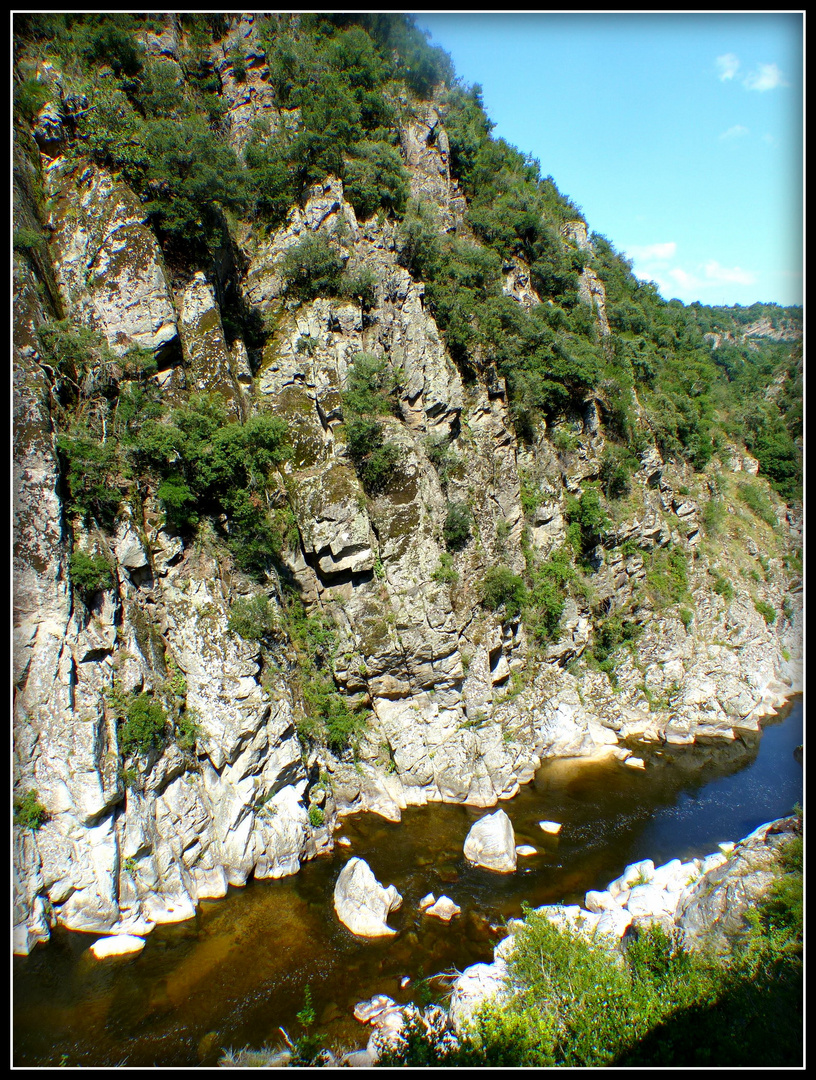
[237, 972]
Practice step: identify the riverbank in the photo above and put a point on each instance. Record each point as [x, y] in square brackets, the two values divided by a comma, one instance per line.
[653, 919]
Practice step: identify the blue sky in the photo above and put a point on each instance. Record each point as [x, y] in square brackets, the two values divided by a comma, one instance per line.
[679, 136]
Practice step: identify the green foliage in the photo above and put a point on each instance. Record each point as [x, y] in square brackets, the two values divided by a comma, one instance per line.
[371, 391]
[94, 476]
[29, 97]
[305, 1048]
[189, 176]
[723, 588]
[29, 813]
[758, 503]
[238, 61]
[589, 516]
[374, 459]
[361, 287]
[598, 1008]
[143, 728]
[376, 178]
[766, 611]
[187, 729]
[457, 527]
[608, 636]
[686, 617]
[252, 618]
[371, 386]
[445, 573]
[547, 595]
[316, 816]
[667, 576]
[209, 465]
[25, 239]
[109, 39]
[501, 588]
[327, 716]
[617, 465]
[564, 440]
[312, 267]
[712, 516]
[89, 573]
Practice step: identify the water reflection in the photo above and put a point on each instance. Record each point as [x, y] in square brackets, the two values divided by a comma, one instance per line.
[236, 973]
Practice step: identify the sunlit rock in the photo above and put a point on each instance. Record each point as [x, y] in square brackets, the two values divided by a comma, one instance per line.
[492, 844]
[361, 902]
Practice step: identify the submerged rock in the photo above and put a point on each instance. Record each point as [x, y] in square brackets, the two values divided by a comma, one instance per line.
[492, 844]
[361, 902]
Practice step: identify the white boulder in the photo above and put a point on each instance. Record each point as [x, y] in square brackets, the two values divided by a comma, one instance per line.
[640, 872]
[551, 827]
[600, 901]
[491, 843]
[444, 909]
[120, 945]
[361, 902]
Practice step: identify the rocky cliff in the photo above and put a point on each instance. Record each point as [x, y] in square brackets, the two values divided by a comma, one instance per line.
[453, 698]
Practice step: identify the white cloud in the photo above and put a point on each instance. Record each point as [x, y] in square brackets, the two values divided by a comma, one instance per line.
[727, 66]
[766, 77]
[734, 132]
[683, 279]
[653, 252]
[724, 275]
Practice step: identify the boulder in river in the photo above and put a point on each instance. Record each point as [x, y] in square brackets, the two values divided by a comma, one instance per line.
[551, 827]
[492, 844]
[361, 902]
[444, 909]
[118, 945]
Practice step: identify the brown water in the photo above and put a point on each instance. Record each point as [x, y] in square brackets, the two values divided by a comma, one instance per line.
[236, 973]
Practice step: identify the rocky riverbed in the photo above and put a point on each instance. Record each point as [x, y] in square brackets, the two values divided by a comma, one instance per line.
[703, 900]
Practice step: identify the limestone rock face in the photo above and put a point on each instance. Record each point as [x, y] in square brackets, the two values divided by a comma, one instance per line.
[250, 99]
[361, 903]
[107, 262]
[491, 843]
[206, 355]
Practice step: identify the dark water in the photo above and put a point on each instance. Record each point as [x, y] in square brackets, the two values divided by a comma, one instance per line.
[236, 973]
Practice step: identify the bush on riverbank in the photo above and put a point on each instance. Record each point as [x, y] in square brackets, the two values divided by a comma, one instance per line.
[578, 1003]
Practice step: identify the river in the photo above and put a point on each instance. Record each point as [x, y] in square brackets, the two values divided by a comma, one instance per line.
[237, 972]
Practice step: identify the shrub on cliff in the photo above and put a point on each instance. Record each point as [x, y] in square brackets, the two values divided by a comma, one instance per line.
[501, 588]
[251, 617]
[374, 178]
[143, 726]
[29, 813]
[312, 267]
[457, 527]
[89, 573]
